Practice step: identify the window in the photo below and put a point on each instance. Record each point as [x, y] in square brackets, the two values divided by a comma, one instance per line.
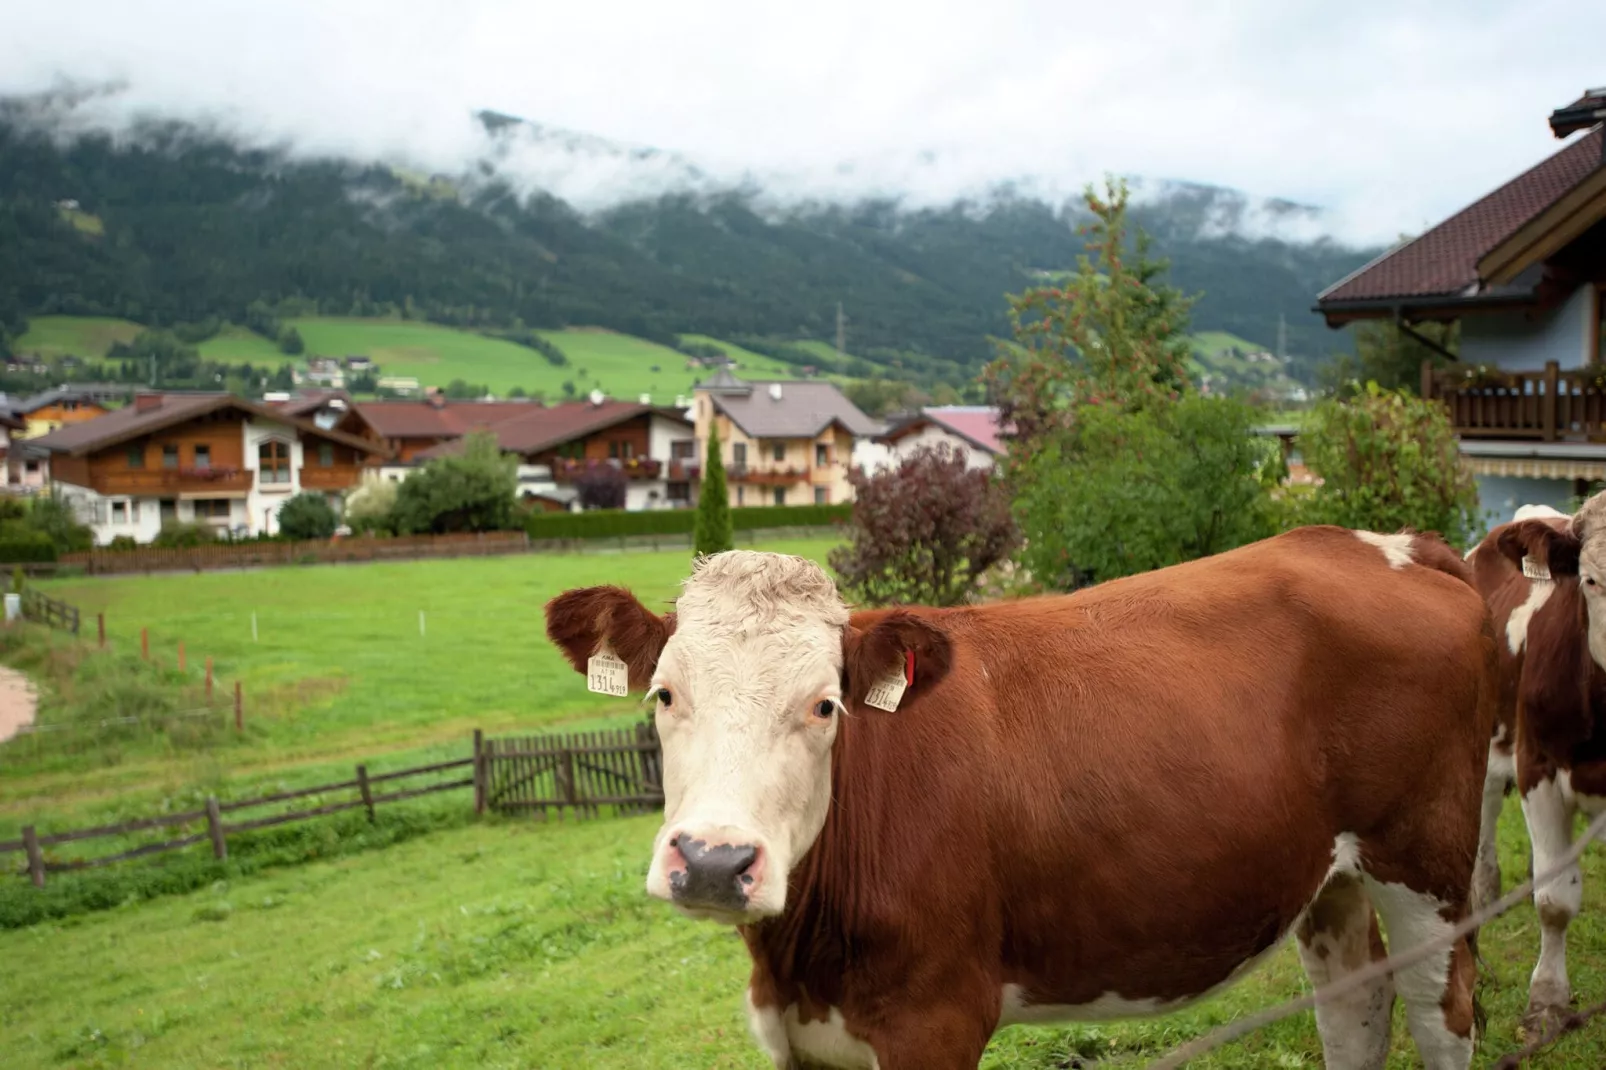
[613, 450]
[119, 512]
[326, 455]
[780, 495]
[739, 455]
[822, 456]
[822, 496]
[203, 456]
[31, 467]
[741, 492]
[136, 456]
[273, 462]
[678, 492]
[169, 456]
[682, 450]
[212, 509]
[779, 451]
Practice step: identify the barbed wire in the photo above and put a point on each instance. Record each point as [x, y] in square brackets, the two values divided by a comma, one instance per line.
[1244, 1026]
[1569, 1024]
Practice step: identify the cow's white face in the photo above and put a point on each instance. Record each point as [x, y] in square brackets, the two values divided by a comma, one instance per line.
[1592, 582]
[748, 698]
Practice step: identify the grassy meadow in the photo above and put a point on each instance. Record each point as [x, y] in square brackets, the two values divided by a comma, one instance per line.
[446, 941]
[81, 336]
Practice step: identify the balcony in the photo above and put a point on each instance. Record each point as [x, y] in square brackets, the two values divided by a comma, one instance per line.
[781, 477]
[156, 482]
[333, 477]
[681, 471]
[1545, 406]
[567, 469]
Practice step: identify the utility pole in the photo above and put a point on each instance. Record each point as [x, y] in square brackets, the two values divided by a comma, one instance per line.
[841, 332]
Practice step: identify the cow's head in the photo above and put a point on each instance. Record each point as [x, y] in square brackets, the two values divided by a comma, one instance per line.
[750, 678]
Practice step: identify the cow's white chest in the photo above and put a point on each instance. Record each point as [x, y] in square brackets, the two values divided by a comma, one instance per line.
[782, 1034]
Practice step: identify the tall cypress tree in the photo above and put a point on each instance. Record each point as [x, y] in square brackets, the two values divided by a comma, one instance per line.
[713, 507]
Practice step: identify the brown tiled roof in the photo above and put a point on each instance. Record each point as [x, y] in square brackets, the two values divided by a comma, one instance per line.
[311, 401]
[1442, 263]
[421, 419]
[129, 422]
[544, 428]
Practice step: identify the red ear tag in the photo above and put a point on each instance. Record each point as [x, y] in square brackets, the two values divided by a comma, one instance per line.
[909, 667]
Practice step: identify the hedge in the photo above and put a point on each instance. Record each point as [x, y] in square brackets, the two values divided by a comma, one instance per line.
[606, 523]
[34, 546]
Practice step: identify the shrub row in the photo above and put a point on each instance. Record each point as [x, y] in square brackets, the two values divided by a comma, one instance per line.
[27, 546]
[604, 523]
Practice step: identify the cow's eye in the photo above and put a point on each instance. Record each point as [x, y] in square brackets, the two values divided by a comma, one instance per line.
[1589, 580]
[824, 709]
[664, 696]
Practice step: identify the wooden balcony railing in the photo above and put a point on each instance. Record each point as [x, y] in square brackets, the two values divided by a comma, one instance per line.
[157, 481]
[783, 476]
[565, 469]
[335, 477]
[1548, 406]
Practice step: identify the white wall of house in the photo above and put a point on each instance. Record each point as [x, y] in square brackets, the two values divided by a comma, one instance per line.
[662, 433]
[932, 435]
[1517, 342]
[870, 455]
[264, 499]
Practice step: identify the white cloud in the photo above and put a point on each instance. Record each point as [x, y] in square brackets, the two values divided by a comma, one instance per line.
[1390, 115]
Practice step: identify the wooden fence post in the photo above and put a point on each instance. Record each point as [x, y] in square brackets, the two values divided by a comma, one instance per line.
[36, 860]
[181, 655]
[75, 621]
[208, 681]
[101, 618]
[239, 707]
[214, 825]
[479, 771]
[145, 643]
[367, 795]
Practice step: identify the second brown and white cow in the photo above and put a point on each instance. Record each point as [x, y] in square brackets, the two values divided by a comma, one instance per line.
[1544, 577]
[1082, 807]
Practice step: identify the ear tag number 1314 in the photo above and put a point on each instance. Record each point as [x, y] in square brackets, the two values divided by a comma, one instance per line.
[606, 674]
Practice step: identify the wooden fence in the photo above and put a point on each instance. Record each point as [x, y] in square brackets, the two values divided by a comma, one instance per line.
[217, 828]
[581, 771]
[224, 555]
[40, 607]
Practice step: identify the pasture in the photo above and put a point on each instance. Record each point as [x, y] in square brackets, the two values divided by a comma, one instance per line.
[496, 942]
[81, 336]
[516, 944]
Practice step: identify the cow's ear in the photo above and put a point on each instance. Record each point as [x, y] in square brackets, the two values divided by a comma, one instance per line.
[883, 652]
[1547, 549]
[582, 621]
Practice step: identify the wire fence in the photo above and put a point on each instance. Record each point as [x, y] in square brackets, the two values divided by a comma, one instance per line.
[1226, 1034]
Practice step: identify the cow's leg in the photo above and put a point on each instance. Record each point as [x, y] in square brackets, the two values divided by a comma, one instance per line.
[949, 1037]
[1337, 937]
[1437, 989]
[1497, 781]
[1549, 810]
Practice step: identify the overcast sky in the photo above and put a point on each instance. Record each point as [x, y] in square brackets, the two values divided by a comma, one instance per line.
[1391, 114]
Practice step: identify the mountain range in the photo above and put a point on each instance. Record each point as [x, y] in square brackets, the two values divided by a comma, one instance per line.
[164, 222]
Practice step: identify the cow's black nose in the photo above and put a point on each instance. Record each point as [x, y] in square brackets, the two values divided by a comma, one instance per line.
[714, 876]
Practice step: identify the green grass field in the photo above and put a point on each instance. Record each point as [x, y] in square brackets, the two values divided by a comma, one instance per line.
[236, 345]
[498, 942]
[80, 336]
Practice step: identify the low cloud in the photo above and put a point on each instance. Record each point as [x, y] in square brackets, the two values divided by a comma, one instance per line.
[1387, 117]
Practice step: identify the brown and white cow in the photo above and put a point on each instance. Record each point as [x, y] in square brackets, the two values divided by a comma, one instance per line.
[1093, 806]
[1544, 577]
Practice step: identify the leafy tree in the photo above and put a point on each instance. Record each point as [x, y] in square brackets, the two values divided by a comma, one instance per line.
[469, 491]
[877, 397]
[1387, 460]
[307, 516]
[290, 342]
[921, 533]
[517, 392]
[713, 528]
[1390, 357]
[371, 507]
[1127, 492]
[601, 486]
[46, 516]
[460, 390]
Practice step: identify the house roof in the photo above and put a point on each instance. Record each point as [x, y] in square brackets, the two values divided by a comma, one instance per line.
[52, 397]
[424, 419]
[976, 424]
[803, 408]
[1581, 114]
[129, 422]
[543, 427]
[1442, 266]
[311, 401]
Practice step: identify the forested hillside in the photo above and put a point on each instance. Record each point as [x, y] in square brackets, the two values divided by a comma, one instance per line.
[174, 226]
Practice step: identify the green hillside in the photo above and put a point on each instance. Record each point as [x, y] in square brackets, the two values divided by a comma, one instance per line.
[236, 345]
[50, 337]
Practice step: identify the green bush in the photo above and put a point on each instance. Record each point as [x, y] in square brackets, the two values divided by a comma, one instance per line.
[307, 516]
[613, 523]
[24, 545]
[178, 534]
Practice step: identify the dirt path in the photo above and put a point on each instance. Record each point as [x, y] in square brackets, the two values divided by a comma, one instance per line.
[17, 702]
